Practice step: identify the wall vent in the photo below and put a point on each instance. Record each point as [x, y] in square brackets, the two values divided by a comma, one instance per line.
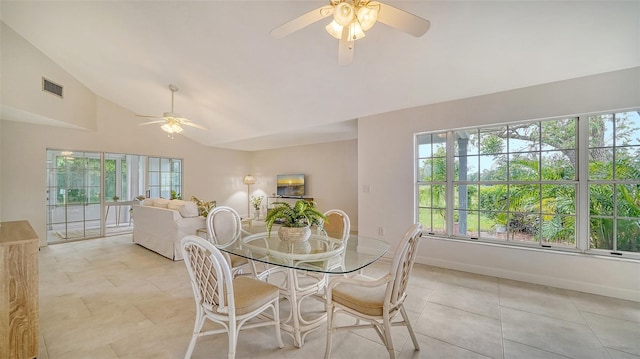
[51, 87]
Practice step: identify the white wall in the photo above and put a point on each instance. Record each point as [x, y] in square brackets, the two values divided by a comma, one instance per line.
[330, 171]
[209, 173]
[22, 67]
[386, 164]
[86, 122]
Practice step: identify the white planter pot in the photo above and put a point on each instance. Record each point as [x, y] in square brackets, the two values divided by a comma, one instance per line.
[294, 234]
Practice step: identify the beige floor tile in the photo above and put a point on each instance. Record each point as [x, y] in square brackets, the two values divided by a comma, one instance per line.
[468, 299]
[98, 352]
[464, 279]
[467, 330]
[538, 299]
[435, 349]
[417, 298]
[618, 334]
[616, 354]
[110, 298]
[611, 307]
[514, 350]
[550, 334]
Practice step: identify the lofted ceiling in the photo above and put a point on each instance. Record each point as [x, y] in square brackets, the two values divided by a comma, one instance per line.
[256, 92]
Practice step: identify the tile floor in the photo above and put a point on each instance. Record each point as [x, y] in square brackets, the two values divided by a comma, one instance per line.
[110, 298]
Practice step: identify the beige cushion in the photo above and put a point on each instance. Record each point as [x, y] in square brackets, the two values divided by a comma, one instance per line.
[237, 261]
[148, 202]
[250, 294]
[334, 225]
[365, 300]
[161, 202]
[175, 204]
[189, 210]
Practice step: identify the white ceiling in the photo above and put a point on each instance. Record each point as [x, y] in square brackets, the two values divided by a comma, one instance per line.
[255, 92]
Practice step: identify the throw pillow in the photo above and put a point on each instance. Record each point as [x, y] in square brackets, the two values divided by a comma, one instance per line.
[189, 210]
[203, 207]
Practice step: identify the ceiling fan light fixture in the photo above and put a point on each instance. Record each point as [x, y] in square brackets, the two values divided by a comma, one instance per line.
[355, 31]
[334, 29]
[171, 128]
[344, 13]
[367, 16]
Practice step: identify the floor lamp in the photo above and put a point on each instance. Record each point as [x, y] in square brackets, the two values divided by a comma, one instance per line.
[248, 180]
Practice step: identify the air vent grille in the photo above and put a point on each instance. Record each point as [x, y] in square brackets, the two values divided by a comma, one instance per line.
[51, 87]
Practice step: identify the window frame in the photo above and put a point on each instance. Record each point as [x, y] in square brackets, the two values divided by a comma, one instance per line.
[581, 182]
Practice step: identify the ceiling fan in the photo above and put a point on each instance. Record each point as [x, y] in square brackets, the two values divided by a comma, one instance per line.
[351, 18]
[172, 122]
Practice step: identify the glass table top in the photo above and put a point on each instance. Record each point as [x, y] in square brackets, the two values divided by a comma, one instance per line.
[319, 254]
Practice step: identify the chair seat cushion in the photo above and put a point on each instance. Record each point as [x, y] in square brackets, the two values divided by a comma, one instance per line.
[237, 261]
[250, 294]
[365, 300]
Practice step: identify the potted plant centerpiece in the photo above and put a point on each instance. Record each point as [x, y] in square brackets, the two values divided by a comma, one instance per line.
[295, 220]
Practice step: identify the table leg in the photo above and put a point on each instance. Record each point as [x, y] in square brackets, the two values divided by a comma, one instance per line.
[295, 324]
[295, 311]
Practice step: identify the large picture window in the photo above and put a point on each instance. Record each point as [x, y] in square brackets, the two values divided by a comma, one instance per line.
[522, 183]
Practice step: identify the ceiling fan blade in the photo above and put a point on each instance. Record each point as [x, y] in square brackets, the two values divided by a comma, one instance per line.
[189, 123]
[345, 48]
[151, 122]
[402, 20]
[302, 21]
[148, 116]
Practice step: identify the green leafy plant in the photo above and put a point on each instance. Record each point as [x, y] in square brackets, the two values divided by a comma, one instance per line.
[175, 195]
[203, 207]
[302, 214]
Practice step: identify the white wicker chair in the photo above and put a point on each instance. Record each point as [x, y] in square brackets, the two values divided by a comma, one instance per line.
[375, 301]
[337, 224]
[224, 228]
[223, 299]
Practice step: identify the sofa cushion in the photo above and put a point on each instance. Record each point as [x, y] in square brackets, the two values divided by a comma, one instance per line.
[189, 210]
[161, 202]
[175, 204]
[147, 202]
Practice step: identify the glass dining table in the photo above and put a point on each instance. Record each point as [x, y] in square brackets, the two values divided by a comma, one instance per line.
[302, 269]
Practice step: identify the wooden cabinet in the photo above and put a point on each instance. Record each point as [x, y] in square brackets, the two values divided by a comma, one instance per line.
[19, 328]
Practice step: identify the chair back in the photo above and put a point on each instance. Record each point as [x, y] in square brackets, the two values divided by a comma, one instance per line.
[209, 273]
[224, 226]
[403, 263]
[337, 224]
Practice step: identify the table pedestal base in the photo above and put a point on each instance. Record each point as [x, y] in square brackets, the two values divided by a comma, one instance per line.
[296, 287]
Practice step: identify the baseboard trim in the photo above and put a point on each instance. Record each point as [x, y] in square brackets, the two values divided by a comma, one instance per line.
[532, 278]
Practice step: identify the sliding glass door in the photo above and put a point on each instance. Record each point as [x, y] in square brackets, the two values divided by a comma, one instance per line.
[90, 194]
[73, 195]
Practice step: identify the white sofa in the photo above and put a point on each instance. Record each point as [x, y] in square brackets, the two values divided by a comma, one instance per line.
[159, 225]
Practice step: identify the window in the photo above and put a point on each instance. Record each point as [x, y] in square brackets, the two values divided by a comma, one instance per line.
[432, 181]
[614, 182]
[165, 177]
[520, 183]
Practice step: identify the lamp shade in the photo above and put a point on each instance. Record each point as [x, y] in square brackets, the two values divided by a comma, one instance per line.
[334, 29]
[344, 13]
[367, 16]
[248, 179]
[355, 31]
[173, 127]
